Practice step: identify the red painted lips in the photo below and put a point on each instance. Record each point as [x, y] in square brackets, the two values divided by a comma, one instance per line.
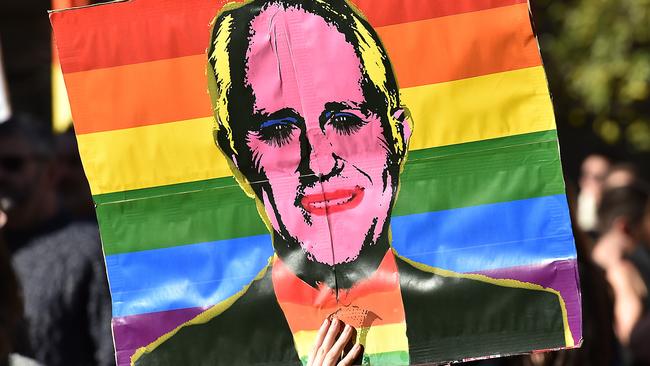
[331, 202]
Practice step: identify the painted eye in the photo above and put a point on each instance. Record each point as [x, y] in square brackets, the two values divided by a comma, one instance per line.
[277, 132]
[345, 123]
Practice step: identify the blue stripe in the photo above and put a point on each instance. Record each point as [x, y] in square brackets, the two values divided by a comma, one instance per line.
[485, 237]
[468, 239]
[186, 276]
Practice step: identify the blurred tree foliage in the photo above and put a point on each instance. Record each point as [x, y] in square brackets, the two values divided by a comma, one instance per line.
[597, 56]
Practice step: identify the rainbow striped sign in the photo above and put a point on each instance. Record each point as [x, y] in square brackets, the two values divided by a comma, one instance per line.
[481, 193]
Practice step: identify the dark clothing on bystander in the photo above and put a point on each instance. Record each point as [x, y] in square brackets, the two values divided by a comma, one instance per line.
[67, 303]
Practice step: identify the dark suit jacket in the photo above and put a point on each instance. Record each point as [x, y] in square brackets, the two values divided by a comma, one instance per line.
[448, 317]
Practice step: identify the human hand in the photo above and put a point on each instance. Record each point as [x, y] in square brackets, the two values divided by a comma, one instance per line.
[629, 291]
[330, 345]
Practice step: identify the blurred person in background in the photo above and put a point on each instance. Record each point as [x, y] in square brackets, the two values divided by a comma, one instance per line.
[621, 175]
[640, 336]
[58, 262]
[639, 341]
[73, 189]
[623, 252]
[592, 175]
[10, 307]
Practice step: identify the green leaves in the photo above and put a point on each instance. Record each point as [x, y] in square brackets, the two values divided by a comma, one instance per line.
[598, 53]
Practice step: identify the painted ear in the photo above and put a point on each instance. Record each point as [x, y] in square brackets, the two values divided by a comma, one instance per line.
[403, 116]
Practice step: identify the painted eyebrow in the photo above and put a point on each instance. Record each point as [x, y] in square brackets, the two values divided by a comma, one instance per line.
[263, 119]
[279, 121]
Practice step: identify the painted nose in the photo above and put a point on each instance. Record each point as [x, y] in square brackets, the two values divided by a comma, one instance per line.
[323, 161]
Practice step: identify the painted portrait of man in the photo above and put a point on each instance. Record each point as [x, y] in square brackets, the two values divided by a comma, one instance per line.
[308, 115]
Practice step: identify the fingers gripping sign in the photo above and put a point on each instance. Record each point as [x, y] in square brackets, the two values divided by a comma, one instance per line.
[331, 345]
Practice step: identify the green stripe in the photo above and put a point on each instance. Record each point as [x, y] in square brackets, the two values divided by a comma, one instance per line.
[184, 218]
[464, 175]
[479, 173]
[395, 358]
[468, 147]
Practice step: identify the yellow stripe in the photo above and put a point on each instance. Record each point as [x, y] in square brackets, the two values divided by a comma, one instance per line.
[379, 339]
[151, 156]
[480, 108]
[485, 107]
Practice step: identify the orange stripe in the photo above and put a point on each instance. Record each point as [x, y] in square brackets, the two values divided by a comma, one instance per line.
[139, 94]
[423, 52]
[308, 317]
[461, 46]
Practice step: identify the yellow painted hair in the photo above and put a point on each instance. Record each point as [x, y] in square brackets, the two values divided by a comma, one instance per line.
[372, 56]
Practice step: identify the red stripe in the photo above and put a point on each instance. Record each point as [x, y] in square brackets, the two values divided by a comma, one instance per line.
[132, 32]
[147, 30]
[386, 12]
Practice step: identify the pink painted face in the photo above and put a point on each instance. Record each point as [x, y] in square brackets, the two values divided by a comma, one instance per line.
[316, 139]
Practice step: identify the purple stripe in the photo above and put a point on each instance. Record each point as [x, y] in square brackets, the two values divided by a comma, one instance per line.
[561, 276]
[135, 331]
[132, 332]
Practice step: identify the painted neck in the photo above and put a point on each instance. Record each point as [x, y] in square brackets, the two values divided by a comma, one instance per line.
[340, 276]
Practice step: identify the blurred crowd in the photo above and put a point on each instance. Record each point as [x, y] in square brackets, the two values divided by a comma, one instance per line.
[613, 220]
[54, 301]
